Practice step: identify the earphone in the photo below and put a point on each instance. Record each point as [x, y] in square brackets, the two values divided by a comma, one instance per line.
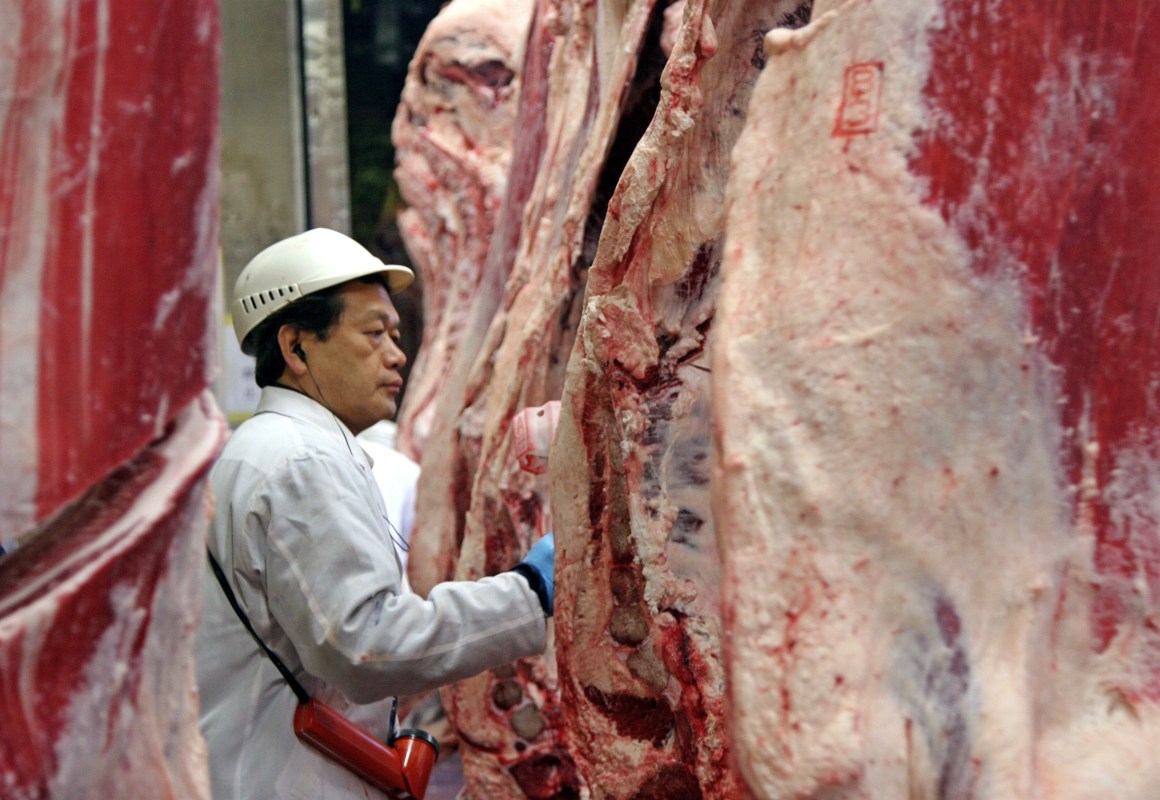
[298, 351]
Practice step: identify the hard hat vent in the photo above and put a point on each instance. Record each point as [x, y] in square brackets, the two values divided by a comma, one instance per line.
[278, 296]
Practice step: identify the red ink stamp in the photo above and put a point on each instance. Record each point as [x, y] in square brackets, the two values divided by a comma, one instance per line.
[861, 97]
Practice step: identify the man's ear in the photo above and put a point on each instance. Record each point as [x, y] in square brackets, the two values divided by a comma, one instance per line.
[290, 343]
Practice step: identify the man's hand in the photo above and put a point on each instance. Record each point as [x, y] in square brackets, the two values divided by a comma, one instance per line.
[539, 568]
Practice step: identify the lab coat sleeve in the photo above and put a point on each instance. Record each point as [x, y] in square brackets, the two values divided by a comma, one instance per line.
[334, 586]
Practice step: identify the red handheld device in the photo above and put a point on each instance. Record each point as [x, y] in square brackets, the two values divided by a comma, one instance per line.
[401, 768]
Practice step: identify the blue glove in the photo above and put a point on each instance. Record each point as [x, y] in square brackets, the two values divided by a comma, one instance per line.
[539, 568]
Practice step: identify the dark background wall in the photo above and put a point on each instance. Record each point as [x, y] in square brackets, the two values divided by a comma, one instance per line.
[380, 38]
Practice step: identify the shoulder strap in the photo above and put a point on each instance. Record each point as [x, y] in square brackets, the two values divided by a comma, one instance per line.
[295, 686]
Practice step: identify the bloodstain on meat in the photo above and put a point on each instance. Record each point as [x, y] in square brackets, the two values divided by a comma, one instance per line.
[702, 271]
[671, 782]
[646, 718]
[491, 74]
[550, 776]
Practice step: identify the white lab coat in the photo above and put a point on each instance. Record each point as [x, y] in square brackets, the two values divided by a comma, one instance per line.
[397, 477]
[299, 531]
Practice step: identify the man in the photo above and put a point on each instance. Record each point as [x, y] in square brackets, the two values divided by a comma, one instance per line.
[302, 536]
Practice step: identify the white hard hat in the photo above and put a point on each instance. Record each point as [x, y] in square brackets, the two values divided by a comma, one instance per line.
[295, 267]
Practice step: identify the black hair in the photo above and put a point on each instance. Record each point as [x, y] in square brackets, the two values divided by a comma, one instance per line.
[317, 313]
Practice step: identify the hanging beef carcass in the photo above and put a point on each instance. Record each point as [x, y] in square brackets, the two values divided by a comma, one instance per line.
[638, 621]
[108, 233]
[509, 719]
[453, 136]
[575, 84]
[935, 386]
[589, 91]
[453, 140]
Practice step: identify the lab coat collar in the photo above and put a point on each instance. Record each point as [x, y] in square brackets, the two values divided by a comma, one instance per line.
[290, 403]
